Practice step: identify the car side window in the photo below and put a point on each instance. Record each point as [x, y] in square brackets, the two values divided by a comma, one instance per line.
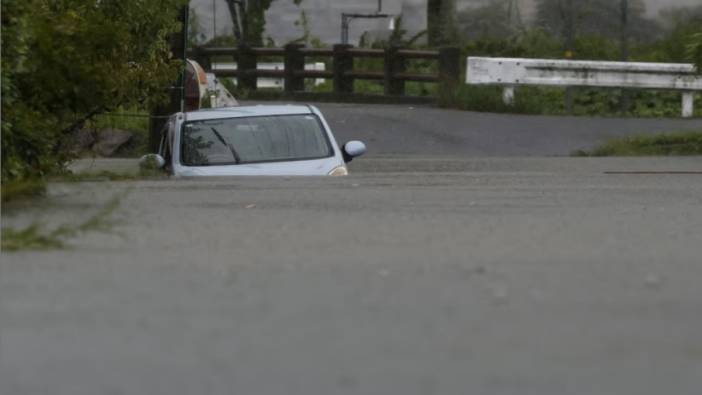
[163, 142]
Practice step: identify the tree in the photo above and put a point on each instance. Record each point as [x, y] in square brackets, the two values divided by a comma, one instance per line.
[683, 26]
[596, 18]
[694, 50]
[63, 62]
[491, 19]
[249, 19]
[441, 25]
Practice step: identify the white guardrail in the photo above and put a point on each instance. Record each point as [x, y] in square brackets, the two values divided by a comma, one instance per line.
[265, 82]
[512, 72]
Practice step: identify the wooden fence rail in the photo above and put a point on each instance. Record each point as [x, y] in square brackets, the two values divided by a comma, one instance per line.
[343, 73]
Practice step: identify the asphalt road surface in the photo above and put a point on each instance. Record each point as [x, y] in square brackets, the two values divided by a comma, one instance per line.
[415, 275]
[425, 130]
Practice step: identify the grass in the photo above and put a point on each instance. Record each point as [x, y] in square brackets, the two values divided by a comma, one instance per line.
[35, 237]
[551, 101]
[30, 238]
[22, 189]
[106, 175]
[669, 144]
[31, 188]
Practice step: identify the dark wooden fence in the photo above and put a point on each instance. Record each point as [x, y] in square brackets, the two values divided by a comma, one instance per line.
[394, 74]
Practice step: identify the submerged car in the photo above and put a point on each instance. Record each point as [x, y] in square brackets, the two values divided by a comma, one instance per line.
[275, 140]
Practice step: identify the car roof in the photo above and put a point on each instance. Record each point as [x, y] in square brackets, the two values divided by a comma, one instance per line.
[248, 111]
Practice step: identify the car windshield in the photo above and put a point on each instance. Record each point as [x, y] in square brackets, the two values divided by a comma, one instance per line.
[254, 139]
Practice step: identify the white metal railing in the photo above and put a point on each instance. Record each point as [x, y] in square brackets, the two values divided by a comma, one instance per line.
[512, 72]
[266, 82]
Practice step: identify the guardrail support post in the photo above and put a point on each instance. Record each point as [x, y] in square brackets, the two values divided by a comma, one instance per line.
[202, 59]
[294, 63]
[508, 95]
[688, 104]
[449, 68]
[343, 63]
[246, 66]
[394, 64]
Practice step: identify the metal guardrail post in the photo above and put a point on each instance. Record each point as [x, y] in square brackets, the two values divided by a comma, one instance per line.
[394, 64]
[294, 64]
[343, 64]
[688, 104]
[508, 95]
[247, 64]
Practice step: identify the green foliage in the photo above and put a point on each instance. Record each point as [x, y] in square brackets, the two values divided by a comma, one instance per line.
[681, 42]
[532, 43]
[595, 17]
[671, 144]
[34, 237]
[694, 50]
[528, 100]
[144, 173]
[63, 62]
[441, 23]
[22, 189]
[494, 19]
[304, 23]
[678, 44]
[596, 47]
[551, 101]
[29, 238]
[253, 18]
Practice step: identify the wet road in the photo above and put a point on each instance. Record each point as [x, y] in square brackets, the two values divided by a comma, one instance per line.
[415, 275]
[423, 130]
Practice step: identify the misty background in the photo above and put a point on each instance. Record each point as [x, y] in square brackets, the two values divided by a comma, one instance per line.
[284, 18]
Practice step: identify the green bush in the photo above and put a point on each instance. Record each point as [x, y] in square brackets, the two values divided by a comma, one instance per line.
[65, 62]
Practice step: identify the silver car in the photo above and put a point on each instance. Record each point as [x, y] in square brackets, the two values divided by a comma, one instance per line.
[270, 140]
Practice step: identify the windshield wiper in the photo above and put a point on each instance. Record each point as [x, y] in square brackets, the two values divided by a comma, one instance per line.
[237, 159]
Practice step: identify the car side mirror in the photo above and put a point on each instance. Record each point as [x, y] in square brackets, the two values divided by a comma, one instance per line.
[353, 149]
[152, 161]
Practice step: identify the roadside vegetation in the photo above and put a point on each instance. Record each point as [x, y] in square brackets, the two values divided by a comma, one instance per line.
[668, 144]
[134, 120]
[24, 188]
[578, 30]
[67, 64]
[78, 65]
[39, 237]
